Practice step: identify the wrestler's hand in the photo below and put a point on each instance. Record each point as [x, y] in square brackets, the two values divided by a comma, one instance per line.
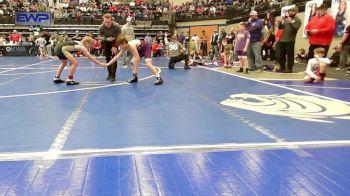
[114, 51]
[110, 39]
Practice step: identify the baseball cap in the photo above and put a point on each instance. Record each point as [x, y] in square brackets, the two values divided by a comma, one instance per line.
[294, 9]
[253, 13]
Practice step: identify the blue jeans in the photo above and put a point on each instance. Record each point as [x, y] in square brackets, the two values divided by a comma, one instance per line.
[254, 55]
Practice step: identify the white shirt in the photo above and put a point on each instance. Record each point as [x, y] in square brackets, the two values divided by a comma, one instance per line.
[314, 65]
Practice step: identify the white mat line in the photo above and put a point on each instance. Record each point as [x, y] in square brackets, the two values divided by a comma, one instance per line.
[279, 85]
[323, 87]
[24, 66]
[172, 149]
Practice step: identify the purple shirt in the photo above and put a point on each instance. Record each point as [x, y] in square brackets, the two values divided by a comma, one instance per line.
[254, 28]
[242, 38]
[181, 39]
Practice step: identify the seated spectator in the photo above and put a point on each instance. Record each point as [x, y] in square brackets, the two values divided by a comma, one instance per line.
[96, 48]
[267, 46]
[317, 67]
[301, 57]
[157, 49]
[335, 58]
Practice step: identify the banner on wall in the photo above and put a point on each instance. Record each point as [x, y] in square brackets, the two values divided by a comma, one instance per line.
[310, 11]
[340, 10]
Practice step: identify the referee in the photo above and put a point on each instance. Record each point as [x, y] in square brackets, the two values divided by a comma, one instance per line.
[109, 31]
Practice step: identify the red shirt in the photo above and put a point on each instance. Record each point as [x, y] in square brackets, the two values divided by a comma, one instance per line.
[278, 35]
[97, 45]
[15, 37]
[325, 26]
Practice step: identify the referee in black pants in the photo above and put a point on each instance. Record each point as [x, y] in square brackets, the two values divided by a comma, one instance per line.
[109, 31]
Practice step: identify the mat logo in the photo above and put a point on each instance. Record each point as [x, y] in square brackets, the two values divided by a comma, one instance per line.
[8, 49]
[32, 18]
[302, 107]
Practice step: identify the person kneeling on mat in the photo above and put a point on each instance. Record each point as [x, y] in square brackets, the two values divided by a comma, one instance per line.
[176, 52]
[139, 49]
[64, 52]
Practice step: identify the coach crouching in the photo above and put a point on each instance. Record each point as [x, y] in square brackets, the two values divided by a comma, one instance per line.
[176, 52]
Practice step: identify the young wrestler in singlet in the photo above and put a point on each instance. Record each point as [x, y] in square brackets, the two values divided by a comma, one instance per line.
[139, 49]
[64, 52]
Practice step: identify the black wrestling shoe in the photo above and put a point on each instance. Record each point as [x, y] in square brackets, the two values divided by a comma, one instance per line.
[109, 78]
[240, 70]
[187, 67]
[134, 79]
[58, 80]
[159, 81]
[71, 82]
[171, 67]
[112, 79]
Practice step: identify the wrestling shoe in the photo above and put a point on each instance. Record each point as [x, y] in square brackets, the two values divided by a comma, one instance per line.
[58, 80]
[159, 81]
[71, 82]
[134, 79]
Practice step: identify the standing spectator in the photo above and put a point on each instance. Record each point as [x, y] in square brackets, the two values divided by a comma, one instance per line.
[160, 36]
[128, 32]
[269, 21]
[241, 48]
[40, 43]
[290, 26]
[214, 42]
[342, 18]
[181, 38]
[47, 47]
[148, 39]
[77, 36]
[320, 30]
[109, 31]
[195, 41]
[254, 49]
[230, 44]
[344, 49]
[204, 44]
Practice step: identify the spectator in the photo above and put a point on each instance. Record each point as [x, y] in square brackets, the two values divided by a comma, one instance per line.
[15, 37]
[157, 49]
[254, 49]
[148, 39]
[290, 26]
[214, 42]
[97, 48]
[301, 56]
[320, 30]
[335, 58]
[181, 38]
[317, 67]
[342, 18]
[204, 44]
[241, 48]
[267, 46]
[344, 50]
[47, 47]
[195, 42]
[128, 32]
[77, 36]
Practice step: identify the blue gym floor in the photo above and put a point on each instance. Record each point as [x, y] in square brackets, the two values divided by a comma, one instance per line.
[203, 132]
